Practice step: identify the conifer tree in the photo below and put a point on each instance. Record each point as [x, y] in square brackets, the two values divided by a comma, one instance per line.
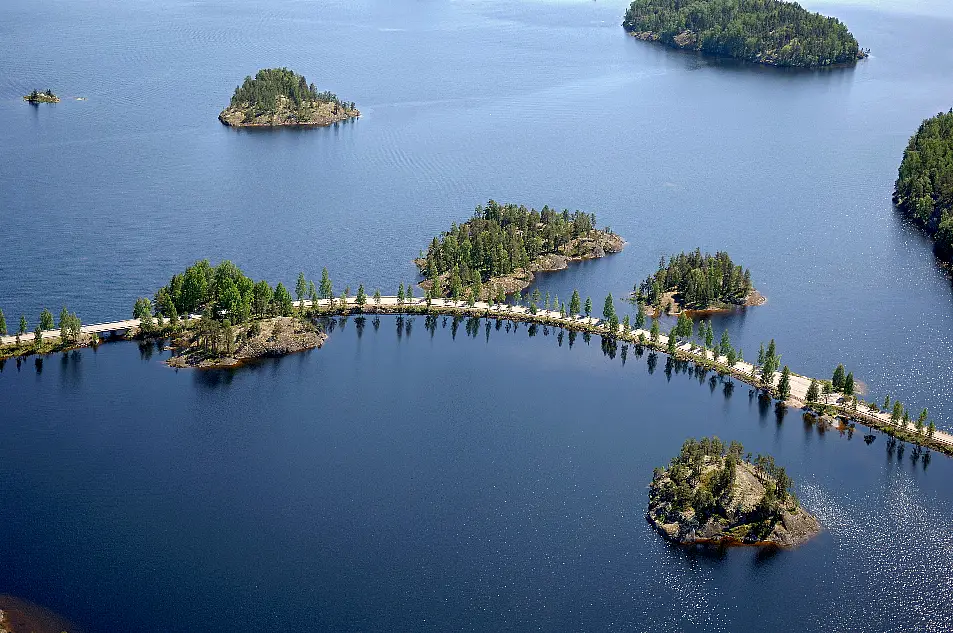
[639, 316]
[672, 342]
[813, 391]
[377, 297]
[46, 320]
[574, 303]
[400, 294]
[838, 379]
[784, 386]
[301, 288]
[327, 288]
[361, 297]
[3, 324]
[588, 307]
[608, 309]
[849, 384]
[654, 332]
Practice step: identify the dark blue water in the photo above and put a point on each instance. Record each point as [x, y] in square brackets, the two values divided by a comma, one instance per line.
[420, 481]
[536, 102]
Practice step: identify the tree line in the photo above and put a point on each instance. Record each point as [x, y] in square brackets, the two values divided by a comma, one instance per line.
[261, 93]
[698, 281]
[498, 240]
[924, 188]
[766, 31]
[68, 324]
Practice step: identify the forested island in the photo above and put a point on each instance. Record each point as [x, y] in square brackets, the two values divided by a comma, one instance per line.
[278, 97]
[41, 97]
[499, 249]
[924, 188]
[240, 319]
[768, 32]
[697, 282]
[712, 493]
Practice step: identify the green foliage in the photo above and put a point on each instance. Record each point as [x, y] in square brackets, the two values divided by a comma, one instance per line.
[764, 31]
[924, 188]
[361, 298]
[608, 308]
[588, 307]
[697, 280]
[224, 290]
[261, 95]
[46, 320]
[500, 239]
[3, 324]
[813, 391]
[784, 385]
[849, 384]
[837, 381]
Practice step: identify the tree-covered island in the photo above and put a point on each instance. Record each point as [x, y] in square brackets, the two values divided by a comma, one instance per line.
[41, 97]
[924, 189]
[499, 249]
[713, 493]
[240, 319]
[697, 282]
[768, 32]
[279, 97]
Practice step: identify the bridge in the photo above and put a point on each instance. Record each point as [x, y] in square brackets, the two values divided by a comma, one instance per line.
[746, 372]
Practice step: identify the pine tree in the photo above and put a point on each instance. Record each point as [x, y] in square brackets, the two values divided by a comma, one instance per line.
[639, 316]
[813, 391]
[588, 307]
[654, 332]
[849, 384]
[400, 294]
[574, 303]
[608, 309]
[361, 297]
[725, 343]
[709, 335]
[784, 386]
[626, 327]
[377, 297]
[838, 379]
[301, 288]
[672, 342]
[3, 324]
[327, 289]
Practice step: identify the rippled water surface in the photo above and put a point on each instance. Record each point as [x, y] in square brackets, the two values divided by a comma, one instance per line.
[461, 478]
[415, 483]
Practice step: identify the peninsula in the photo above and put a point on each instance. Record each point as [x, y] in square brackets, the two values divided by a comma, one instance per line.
[498, 251]
[924, 188]
[770, 32]
[710, 494]
[697, 282]
[278, 97]
[41, 97]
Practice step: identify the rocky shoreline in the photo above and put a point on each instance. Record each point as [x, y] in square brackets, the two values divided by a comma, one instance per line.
[269, 338]
[712, 496]
[593, 246]
[311, 114]
[754, 298]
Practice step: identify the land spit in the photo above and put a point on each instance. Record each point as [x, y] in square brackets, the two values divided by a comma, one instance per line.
[743, 371]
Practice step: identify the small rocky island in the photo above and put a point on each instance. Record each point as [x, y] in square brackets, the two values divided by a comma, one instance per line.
[41, 97]
[769, 32]
[278, 97]
[711, 494]
[226, 318]
[698, 283]
[229, 346]
[499, 250]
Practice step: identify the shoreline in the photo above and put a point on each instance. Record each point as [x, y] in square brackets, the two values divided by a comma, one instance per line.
[745, 372]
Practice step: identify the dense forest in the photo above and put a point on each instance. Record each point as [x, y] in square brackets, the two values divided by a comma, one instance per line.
[499, 239]
[220, 290]
[698, 281]
[764, 31]
[261, 93]
[924, 189]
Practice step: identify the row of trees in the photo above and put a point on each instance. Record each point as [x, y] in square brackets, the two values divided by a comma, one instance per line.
[766, 31]
[924, 188]
[698, 281]
[68, 324]
[499, 239]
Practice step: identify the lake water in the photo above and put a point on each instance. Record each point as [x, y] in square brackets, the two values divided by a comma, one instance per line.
[403, 479]
[468, 485]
